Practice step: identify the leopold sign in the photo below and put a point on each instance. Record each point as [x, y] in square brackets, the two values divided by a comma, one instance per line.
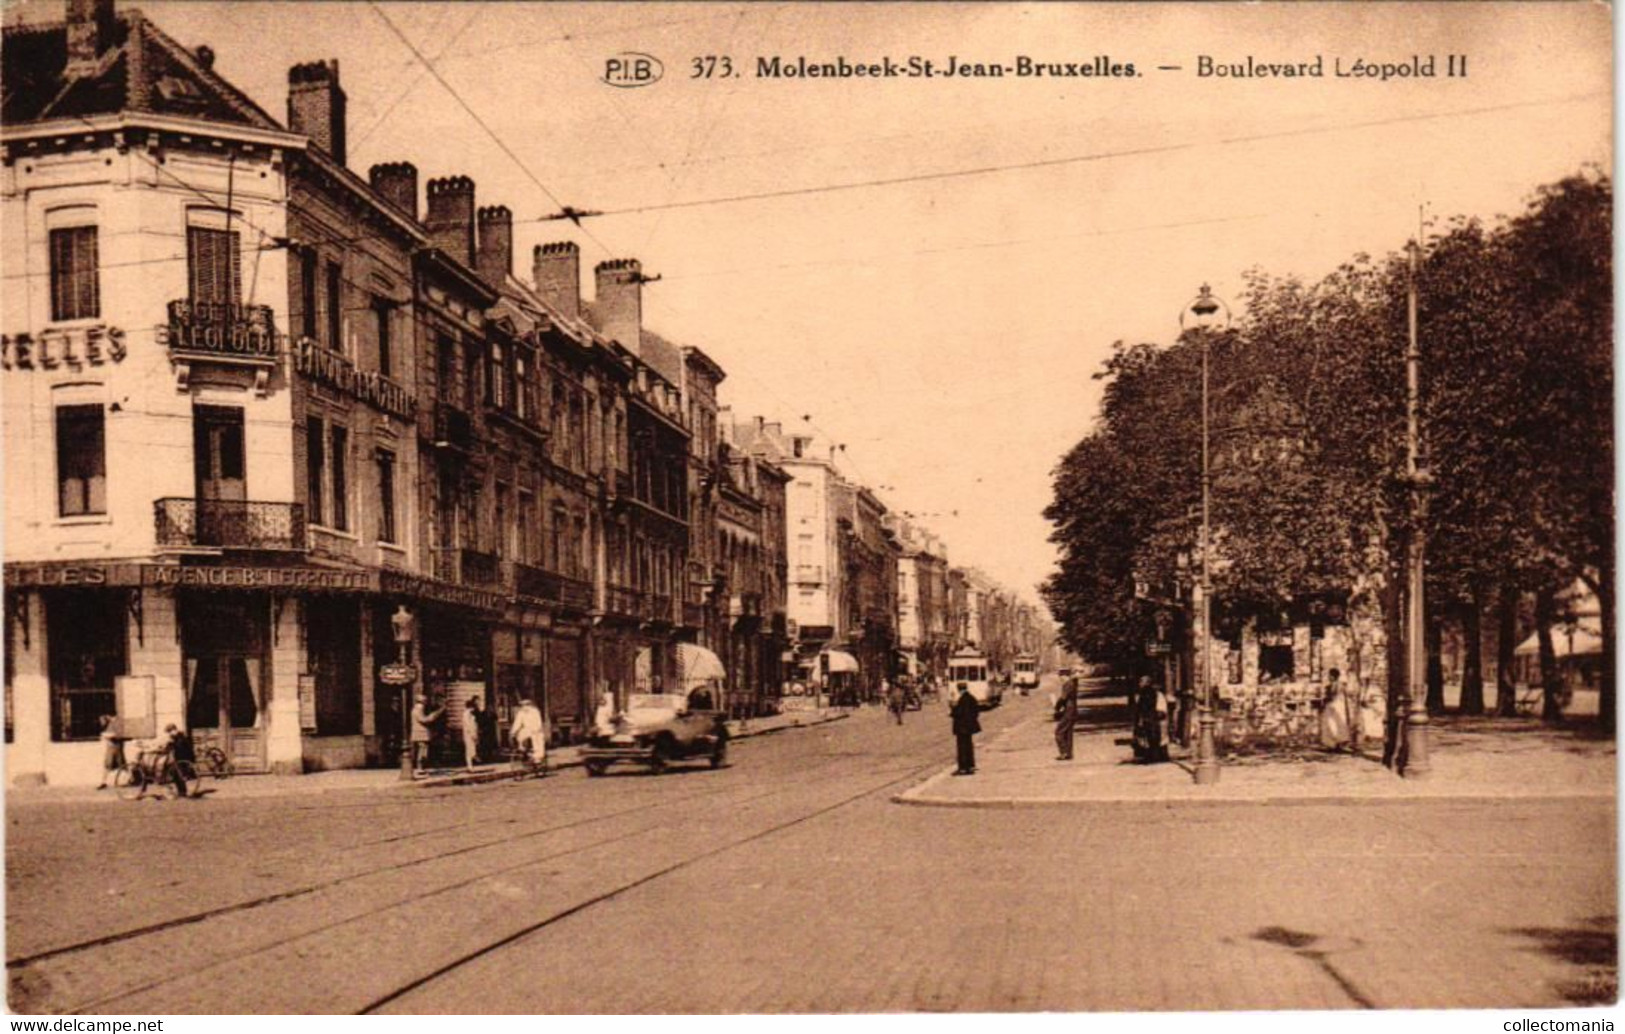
[218, 328]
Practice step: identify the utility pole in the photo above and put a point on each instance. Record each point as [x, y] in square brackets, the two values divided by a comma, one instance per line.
[1417, 764]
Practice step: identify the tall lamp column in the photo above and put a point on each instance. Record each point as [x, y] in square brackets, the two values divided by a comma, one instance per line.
[1205, 315]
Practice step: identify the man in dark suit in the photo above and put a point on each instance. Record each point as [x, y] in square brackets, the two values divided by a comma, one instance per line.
[1066, 719]
[966, 725]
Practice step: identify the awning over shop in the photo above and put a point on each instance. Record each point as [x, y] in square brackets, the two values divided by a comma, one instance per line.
[1577, 642]
[840, 660]
[696, 664]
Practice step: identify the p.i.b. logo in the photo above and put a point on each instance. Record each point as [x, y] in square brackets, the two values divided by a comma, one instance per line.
[631, 68]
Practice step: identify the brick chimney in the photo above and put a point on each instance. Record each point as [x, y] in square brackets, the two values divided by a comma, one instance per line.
[397, 183]
[495, 258]
[556, 272]
[450, 217]
[316, 106]
[618, 308]
[90, 33]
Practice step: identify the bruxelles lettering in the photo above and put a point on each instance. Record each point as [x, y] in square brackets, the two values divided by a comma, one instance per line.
[20, 577]
[222, 328]
[337, 372]
[258, 578]
[62, 346]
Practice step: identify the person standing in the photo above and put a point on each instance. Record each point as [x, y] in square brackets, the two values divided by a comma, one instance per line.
[896, 699]
[966, 725]
[471, 733]
[1336, 727]
[112, 751]
[1066, 719]
[423, 719]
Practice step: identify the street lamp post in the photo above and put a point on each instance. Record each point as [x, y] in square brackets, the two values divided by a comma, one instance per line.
[404, 626]
[1204, 315]
[1417, 763]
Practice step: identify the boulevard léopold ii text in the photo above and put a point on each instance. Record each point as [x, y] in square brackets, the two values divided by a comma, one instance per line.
[1415, 66]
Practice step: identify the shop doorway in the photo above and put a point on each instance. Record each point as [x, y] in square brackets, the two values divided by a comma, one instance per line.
[223, 638]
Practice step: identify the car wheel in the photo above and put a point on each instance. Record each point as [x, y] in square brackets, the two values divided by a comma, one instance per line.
[658, 758]
[719, 754]
[595, 769]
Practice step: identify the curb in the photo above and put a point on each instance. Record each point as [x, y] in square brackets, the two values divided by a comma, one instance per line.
[574, 761]
[908, 798]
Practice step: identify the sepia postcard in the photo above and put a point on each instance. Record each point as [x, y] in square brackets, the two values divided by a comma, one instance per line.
[773, 511]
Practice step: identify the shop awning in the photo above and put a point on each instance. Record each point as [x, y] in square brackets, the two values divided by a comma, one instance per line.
[1578, 642]
[696, 664]
[840, 660]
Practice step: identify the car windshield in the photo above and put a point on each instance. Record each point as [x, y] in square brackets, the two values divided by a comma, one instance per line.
[654, 702]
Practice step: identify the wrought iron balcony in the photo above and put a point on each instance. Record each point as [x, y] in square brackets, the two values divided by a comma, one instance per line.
[222, 329]
[229, 524]
[694, 614]
[540, 584]
[659, 608]
[468, 567]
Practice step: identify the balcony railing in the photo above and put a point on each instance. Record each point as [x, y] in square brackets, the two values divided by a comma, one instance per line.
[468, 567]
[222, 329]
[453, 428]
[694, 614]
[552, 588]
[229, 524]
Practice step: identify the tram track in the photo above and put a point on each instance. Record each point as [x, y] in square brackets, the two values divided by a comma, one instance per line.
[516, 937]
[730, 796]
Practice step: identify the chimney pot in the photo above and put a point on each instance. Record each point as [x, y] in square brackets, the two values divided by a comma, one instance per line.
[90, 33]
[316, 106]
[618, 307]
[205, 56]
[450, 217]
[495, 258]
[556, 275]
[397, 183]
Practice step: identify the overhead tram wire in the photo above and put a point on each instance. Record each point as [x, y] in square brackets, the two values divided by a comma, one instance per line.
[495, 138]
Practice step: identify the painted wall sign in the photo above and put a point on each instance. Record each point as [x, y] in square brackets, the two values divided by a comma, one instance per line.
[319, 578]
[25, 576]
[72, 347]
[328, 367]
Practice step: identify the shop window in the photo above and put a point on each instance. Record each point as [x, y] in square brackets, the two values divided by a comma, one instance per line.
[333, 638]
[86, 652]
[81, 460]
[386, 495]
[75, 287]
[213, 266]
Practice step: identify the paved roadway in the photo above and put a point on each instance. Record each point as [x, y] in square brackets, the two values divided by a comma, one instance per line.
[789, 882]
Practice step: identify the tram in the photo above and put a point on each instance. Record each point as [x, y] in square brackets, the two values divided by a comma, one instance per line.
[968, 668]
[1026, 677]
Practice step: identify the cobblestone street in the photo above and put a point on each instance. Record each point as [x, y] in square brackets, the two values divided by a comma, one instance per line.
[789, 882]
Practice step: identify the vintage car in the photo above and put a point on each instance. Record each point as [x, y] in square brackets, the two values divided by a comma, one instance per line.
[655, 729]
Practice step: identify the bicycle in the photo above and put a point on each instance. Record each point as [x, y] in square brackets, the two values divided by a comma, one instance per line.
[156, 771]
[214, 763]
[526, 766]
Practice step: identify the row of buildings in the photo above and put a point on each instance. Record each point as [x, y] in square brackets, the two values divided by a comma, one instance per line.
[285, 443]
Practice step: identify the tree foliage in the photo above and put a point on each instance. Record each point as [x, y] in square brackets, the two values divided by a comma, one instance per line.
[1307, 402]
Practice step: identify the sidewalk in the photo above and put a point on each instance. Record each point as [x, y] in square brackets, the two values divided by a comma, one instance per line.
[389, 779]
[1473, 759]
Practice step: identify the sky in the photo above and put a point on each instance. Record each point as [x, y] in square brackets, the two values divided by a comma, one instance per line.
[945, 328]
